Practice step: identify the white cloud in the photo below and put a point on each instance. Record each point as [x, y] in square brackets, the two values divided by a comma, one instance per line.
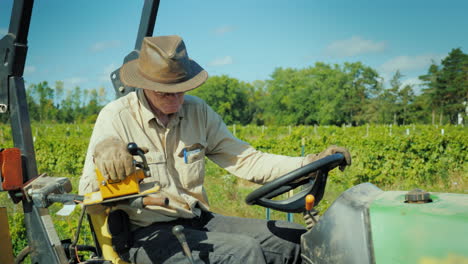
[29, 69]
[3, 31]
[354, 46]
[74, 81]
[226, 60]
[409, 63]
[105, 75]
[411, 81]
[223, 30]
[414, 82]
[103, 45]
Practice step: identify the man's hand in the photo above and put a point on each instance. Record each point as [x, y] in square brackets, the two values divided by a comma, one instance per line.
[330, 151]
[113, 160]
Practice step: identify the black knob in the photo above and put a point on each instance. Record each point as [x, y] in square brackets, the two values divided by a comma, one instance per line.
[133, 148]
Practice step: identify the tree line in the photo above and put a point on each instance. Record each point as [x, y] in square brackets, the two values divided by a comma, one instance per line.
[322, 94]
[352, 93]
[61, 105]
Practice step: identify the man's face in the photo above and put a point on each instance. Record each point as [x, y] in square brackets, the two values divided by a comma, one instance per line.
[167, 103]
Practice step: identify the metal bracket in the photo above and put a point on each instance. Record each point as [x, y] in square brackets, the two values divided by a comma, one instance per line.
[13, 51]
[3, 108]
[40, 187]
[119, 87]
[6, 44]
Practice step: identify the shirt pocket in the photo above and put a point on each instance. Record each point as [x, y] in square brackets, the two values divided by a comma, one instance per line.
[157, 165]
[191, 164]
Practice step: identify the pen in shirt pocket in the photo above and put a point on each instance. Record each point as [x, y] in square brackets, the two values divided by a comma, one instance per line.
[187, 153]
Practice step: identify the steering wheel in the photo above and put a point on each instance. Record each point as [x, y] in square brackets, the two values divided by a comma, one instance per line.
[296, 204]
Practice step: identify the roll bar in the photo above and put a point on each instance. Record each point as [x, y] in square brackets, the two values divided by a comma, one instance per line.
[42, 237]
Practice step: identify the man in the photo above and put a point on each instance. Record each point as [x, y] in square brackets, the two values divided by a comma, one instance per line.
[179, 131]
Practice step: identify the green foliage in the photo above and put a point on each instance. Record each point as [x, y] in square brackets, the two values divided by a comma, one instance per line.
[446, 86]
[58, 104]
[228, 97]
[383, 155]
[18, 233]
[322, 94]
[61, 148]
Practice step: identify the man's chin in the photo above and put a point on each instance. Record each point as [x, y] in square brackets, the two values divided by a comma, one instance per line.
[171, 110]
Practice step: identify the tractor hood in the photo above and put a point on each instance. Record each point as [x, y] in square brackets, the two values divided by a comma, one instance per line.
[368, 225]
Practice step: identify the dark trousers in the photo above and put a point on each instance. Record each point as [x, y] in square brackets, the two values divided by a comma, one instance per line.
[215, 238]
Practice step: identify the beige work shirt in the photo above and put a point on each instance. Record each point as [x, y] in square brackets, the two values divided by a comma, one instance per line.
[195, 127]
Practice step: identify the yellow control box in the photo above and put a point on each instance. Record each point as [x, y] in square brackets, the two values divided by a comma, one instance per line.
[129, 185]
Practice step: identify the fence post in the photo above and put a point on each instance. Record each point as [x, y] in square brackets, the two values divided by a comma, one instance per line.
[302, 147]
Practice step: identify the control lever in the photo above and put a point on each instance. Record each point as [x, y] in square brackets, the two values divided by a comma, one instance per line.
[178, 232]
[310, 215]
[134, 150]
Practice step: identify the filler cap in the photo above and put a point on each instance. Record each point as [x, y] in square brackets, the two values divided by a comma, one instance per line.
[418, 196]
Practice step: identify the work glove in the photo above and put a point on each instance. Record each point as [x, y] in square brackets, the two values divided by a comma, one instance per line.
[113, 159]
[330, 151]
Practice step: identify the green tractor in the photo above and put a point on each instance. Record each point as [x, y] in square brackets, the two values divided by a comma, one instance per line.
[364, 225]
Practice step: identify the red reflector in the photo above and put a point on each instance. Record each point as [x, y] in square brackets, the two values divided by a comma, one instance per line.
[11, 170]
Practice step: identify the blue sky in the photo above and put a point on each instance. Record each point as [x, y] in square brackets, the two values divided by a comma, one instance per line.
[81, 42]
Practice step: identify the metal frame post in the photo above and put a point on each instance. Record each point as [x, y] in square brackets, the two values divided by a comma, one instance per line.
[146, 28]
[43, 240]
[42, 237]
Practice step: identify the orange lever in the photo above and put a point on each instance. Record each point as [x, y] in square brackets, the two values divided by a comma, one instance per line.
[309, 202]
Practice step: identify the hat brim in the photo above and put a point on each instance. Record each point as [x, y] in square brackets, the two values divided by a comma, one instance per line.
[130, 76]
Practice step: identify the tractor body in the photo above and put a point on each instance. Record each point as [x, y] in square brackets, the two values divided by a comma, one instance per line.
[368, 225]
